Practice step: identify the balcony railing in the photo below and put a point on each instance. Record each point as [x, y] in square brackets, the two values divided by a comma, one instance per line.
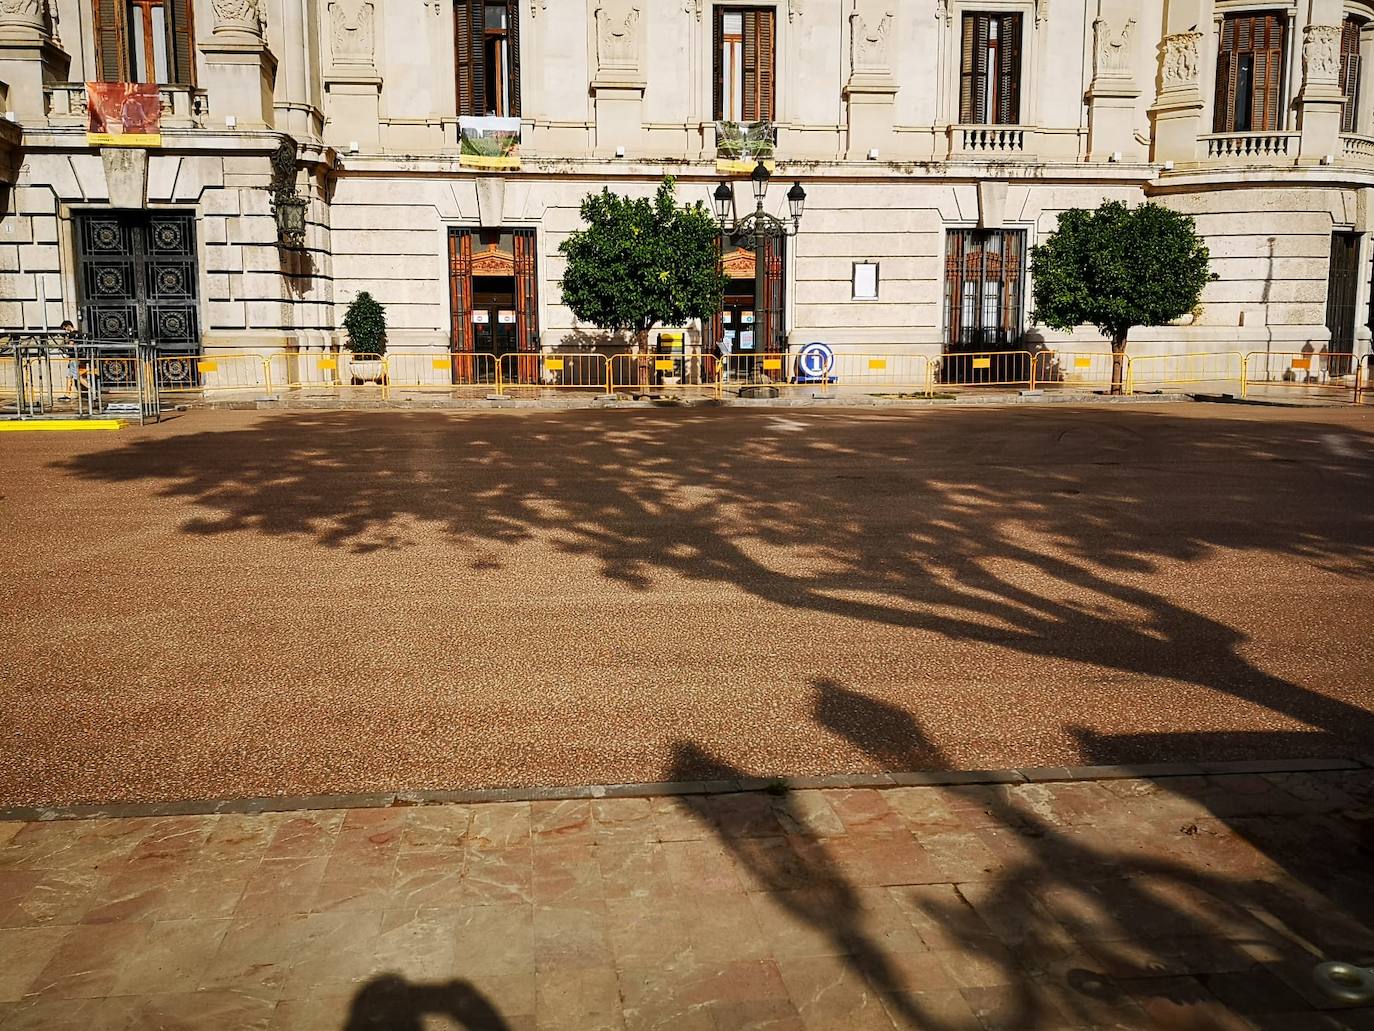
[182, 106]
[1355, 147]
[1256, 147]
[987, 141]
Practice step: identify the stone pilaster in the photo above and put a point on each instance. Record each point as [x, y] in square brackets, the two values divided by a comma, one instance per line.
[352, 83]
[619, 84]
[870, 93]
[1320, 99]
[1112, 93]
[29, 55]
[240, 71]
[1178, 106]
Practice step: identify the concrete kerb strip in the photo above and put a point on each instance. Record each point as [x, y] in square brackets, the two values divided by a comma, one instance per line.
[918, 778]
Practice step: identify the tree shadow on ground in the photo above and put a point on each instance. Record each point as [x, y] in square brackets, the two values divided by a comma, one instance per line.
[1086, 915]
[1060, 536]
[391, 1003]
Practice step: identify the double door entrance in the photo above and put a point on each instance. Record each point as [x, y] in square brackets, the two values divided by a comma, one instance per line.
[137, 281]
[494, 300]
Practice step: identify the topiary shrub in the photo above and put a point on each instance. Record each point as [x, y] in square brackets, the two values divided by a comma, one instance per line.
[366, 325]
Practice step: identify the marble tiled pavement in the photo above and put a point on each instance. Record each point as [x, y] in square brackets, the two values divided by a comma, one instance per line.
[1177, 902]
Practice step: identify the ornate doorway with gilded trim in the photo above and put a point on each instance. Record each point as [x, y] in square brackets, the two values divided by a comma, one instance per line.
[493, 288]
[744, 326]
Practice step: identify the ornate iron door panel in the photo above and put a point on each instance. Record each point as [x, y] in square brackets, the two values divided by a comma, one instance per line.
[137, 273]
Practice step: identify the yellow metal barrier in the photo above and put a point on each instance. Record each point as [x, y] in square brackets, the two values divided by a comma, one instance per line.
[734, 371]
[1315, 373]
[1207, 370]
[985, 369]
[530, 373]
[1364, 379]
[327, 371]
[1080, 370]
[213, 374]
[458, 374]
[676, 373]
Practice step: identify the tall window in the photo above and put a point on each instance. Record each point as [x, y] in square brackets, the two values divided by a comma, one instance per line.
[744, 64]
[1250, 73]
[990, 74]
[144, 41]
[487, 49]
[1350, 72]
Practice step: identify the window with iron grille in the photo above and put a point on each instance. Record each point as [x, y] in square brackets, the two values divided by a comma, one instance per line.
[1350, 72]
[984, 284]
[144, 41]
[744, 74]
[486, 49]
[1250, 62]
[990, 71]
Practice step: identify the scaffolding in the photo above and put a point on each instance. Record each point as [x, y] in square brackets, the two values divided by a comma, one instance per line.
[65, 376]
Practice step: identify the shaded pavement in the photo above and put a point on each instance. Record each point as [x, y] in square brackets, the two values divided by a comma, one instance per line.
[241, 604]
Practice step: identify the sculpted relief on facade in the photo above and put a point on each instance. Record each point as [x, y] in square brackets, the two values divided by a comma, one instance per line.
[1181, 59]
[870, 33]
[617, 36]
[1112, 49]
[1321, 53]
[238, 16]
[352, 32]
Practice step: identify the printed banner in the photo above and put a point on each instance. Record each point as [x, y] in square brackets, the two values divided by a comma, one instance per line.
[123, 114]
[489, 143]
[741, 145]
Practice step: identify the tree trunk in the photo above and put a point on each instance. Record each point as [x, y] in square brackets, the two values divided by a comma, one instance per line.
[1118, 362]
[642, 349]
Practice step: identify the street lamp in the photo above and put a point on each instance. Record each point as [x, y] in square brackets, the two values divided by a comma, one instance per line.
[758, 227]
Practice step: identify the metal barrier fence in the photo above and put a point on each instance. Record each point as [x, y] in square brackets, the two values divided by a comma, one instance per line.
[1317, 373]
[456, 374]
[984, 369]
[1075, 369]
[1217, 370]
[529, 373]
[58, 375]
[669, 373]
[206, 374]
[1364, 380]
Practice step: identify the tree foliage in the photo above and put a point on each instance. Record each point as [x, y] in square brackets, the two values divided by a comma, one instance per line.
[639, 263]
[366, 325]
[1119, 267]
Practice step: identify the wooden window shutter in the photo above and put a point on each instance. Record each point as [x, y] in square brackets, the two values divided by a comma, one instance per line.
[182, 32]
[759, 75]
[967, 70]
[513, 47]
[469, 31]
[1009, 70]
[1350, 73]
[718, 86]
[1267, 85]
[751, 68]
[1224, 102]
[111, 60]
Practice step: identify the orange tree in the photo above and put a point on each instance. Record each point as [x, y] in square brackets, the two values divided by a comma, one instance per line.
[1119, 267]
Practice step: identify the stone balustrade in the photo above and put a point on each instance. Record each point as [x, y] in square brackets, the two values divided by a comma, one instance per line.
[987, 140]
[1251, 147]
[182, 106]
[1358, 148]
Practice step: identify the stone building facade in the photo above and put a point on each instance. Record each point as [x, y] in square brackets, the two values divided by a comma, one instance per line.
[937, 141]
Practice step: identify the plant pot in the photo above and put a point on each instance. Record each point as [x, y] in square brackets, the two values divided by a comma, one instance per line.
[369, 370]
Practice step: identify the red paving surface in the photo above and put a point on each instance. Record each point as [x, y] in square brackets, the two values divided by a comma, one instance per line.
[245, 603]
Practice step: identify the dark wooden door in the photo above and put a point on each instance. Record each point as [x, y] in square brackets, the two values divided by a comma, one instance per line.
[1341, 290]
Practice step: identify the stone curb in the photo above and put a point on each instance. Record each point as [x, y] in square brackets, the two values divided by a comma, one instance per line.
[578, 404]
[930, 778]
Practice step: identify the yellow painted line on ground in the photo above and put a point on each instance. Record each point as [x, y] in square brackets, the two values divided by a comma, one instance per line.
[59, 425]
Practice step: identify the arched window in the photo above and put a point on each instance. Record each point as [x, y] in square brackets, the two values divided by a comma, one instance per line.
[144, 41]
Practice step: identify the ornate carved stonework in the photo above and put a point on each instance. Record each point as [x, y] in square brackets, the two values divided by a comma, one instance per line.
[794, 8]
[1321, 53]
[493, 262]
[29, 15]
[869, 37]
[943, 12]
[238, 16]
[1112, 50]
[1042, 12]
[738, 264]
[693, 6]
[1181, 60]
[352, 32]
[617, 35]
